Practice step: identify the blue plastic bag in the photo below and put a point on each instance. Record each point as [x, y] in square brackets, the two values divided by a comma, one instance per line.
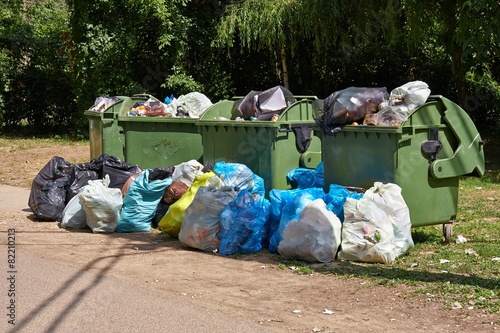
[278, 199]
[140, 203]
[336, 198]
[306, 178]
[292, 205]
[242, 224]
[239, 177]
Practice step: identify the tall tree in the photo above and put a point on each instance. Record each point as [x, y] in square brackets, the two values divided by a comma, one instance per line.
[126, 47]
[38, 93]
[470, 32]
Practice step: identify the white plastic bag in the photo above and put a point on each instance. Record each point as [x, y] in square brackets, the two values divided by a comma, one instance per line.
[192, 105]
[74, 216]
[186, 172]
[102, 205]
[314, 237]
[388, 197]
[202, 218]
[367, 233]
[413, 93]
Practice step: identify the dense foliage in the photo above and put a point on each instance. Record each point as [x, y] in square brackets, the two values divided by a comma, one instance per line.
[57, 56]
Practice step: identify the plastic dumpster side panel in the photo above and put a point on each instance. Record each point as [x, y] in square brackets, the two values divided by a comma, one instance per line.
[152, 142]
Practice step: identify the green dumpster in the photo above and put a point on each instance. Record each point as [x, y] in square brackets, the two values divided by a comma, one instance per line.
[269, 148]
[425, 156]
[151, 142]
[105, 134]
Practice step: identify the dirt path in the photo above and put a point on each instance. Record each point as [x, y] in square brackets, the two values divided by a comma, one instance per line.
[254, 287]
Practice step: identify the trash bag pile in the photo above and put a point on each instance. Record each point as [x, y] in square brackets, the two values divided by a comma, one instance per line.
[369, 106]
[225, 209]
[191, 105]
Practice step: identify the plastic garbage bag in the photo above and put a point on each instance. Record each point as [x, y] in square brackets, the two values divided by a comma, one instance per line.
[242, 224]
[239, 177]
[388, 197]
[119, 172]
[49, 187]
[186, 172]
[81, 180]
[306, 178]
[201, 220]
[191, 105]
[402, 102]
[346, 106]
[314, 237]
[246, 105]
[336, 197]
[74, 216]
[295, 203]
[272, 102]
[140, 203]
[174, 192]
[172, 221]
[160, 212]
[102, 205]
[161, 173]
[367, 233]
[413, 93]
[101, 103]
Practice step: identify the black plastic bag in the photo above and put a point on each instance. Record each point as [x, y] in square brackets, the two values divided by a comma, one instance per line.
[119, 172]
[48, 190]
[82, 178]
[346, 106]
[273, 102]
[246, 105]
[161, 210]
[161, 173]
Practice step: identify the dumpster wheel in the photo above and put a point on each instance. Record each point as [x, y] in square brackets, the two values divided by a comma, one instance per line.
[447, 232]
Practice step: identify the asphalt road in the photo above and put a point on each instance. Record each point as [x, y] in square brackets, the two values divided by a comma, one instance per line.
[52, 297]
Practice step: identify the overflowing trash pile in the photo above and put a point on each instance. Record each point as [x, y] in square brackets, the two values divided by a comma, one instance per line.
[191, 105]
[369, 106]
[225, 209]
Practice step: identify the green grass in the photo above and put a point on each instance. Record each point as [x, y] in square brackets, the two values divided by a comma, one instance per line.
[21, 143]
[473, 279]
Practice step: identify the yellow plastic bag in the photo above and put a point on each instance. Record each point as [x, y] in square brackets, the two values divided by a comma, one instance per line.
[172, 221]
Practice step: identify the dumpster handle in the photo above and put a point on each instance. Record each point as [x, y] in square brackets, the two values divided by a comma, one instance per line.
[468, 157]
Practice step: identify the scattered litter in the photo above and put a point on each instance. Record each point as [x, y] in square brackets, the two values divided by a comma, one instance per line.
[293, 268]
[495, 259]
[263, 266]
[457, 306]
[297, 311]
[490, 199]
[443, 261]
[470, 307]
[444, 271]
[461, 239]
[471, 251]
[316, 329]
[393, 319]
[479, 188]
[413, 265]
[328, 312]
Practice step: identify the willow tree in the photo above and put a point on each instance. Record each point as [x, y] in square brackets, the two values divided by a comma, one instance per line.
[282, 26]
